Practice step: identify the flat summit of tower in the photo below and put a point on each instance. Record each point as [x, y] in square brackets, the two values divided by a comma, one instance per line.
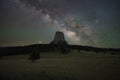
[59, 39]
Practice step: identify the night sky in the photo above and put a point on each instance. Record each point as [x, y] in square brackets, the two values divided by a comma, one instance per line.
[84, 22]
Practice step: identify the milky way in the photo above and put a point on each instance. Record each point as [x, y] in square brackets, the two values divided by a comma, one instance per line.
[58, 13]
[86, 22]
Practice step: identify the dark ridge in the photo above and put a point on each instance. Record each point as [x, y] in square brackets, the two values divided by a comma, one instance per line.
[58, 44]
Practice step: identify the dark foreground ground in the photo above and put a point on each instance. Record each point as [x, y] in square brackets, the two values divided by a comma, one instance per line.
[55, 66]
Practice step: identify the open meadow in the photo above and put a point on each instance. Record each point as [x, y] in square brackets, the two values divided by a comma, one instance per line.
[56, 66]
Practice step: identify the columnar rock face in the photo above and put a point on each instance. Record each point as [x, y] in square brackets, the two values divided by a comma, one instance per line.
[59, 39]
[59, 36]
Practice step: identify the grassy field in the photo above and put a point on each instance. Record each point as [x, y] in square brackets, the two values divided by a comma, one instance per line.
[55, 66]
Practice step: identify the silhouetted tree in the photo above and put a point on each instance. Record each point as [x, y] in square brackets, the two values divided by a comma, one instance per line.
[64, 50]
[34, 56]
[112, 53]
[78, 50]
[104, 52]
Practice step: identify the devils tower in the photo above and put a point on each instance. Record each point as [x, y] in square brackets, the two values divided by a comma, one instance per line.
[59, 39]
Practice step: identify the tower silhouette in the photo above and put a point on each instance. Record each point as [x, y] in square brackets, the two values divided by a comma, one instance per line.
[59, 39]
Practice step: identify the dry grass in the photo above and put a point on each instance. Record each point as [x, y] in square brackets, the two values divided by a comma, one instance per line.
[56, 66]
